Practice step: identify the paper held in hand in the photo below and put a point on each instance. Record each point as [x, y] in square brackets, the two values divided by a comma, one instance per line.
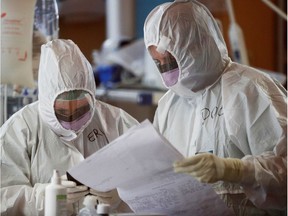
[139, 165]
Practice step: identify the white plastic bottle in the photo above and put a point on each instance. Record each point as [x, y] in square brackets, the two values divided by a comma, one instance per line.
[103, 209]
[55, 197]
[90, 206]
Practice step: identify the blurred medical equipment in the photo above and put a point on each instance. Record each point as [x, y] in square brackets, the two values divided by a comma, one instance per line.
[134, 59]
[46, 27]
[120, 24]
[130, 57]
[236, 38]
[120, 30]
[138, 96]
[129, 79]
[20, 54]
[16, 46]
[221, 6]
[12, 102]
[47, 18]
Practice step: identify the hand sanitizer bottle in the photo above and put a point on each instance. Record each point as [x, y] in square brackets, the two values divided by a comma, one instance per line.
[55, 197]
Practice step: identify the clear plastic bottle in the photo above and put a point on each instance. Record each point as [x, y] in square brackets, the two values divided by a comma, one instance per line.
[89, 209]
[55, 197]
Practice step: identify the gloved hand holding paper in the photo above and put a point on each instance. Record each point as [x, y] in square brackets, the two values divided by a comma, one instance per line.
[209, 168]
[74, 192]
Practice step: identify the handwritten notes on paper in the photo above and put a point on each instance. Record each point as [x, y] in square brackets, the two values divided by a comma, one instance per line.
[139, 165]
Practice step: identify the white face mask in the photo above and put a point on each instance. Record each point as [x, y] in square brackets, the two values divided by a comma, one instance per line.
[170, 77]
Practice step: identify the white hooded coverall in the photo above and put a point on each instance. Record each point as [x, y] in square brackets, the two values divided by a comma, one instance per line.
[33, 142]
[222, 107]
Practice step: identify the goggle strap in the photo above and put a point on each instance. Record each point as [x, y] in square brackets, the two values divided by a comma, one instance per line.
[163, 44]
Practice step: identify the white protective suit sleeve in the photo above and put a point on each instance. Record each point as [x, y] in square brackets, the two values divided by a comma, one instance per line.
[23, 200]
[258, 118]
[18, 196]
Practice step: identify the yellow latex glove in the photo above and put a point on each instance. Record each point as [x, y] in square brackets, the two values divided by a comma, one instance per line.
[110, 197]
[209, 168]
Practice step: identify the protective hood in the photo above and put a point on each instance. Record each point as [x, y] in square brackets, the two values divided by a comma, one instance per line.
[62, 68]
[188, 31]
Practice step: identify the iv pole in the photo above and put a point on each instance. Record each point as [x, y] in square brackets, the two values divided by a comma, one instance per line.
[3, 106]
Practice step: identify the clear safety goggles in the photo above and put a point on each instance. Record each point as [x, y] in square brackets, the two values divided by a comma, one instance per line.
[72, 105]
[164, 61]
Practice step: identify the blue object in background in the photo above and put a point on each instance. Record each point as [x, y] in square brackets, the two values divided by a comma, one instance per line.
[109, 75]
[145, 99]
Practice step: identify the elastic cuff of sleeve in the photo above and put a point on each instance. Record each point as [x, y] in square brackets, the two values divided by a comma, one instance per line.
[233, 170]
[248, 176]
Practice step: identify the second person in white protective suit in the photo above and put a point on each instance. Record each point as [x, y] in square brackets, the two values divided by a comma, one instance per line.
[233, 118]
[66, 125]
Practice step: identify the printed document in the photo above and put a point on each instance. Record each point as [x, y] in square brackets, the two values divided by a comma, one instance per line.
[140, 165]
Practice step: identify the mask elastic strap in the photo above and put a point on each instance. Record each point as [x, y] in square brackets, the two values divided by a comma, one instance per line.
[163, 44]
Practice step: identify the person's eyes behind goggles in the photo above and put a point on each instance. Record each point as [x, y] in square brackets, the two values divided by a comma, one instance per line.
[72, 105]
[61, 113]
[170, 65]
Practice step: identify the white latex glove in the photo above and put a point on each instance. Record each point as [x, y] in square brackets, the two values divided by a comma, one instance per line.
[209, 168]
[74, 192]
[110, 197]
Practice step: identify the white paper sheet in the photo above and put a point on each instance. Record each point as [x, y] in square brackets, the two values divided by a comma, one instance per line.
[139, 165]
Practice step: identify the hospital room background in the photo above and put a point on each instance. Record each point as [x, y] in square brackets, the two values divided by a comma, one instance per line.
[110, 34]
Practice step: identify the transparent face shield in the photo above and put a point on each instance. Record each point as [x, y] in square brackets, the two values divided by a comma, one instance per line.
[166, 64]
[73, 109]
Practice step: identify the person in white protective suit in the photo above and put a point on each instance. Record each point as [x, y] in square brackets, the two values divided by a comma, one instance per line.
[66, 125]
[233, 118]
